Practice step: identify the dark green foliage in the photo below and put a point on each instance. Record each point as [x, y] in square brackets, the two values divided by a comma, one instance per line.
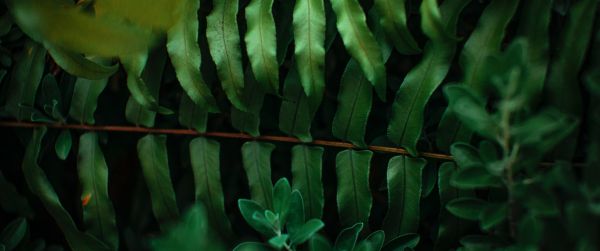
[154, 120]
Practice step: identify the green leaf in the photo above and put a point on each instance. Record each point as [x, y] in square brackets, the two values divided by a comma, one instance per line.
[278, 241]
[204, 156]
[281, 198]
[62, 147]
[256, 157]
[77, 65]
[148, 77]
[305, 232]
[404, 181]
[253, 96]
[152, 152]
[13, 202]
[251, 246]
[466, 208]
[309, 44]
[319, 243]
[160, 15]
[25, 78]
[354, 197]
[481, 242]
[191, 233]
[402, 242]
[544, 130]
[465, 155]
[65, 26]
[451, 228]
[85, 99]
[408, 109]
[297, 110]
[98, 212]
[307, 178]
[354, 105]
[493, 215]
[184, 52]
[191, 115]
[360, 42]
[485, 41]
[346, 240]
[470, 110]
[296, 216]
[393, 20]
[376, 239]
[474, 177]
[224, 44]
[40, 186]
[261, 44]
[13, 233]
[249, 208]
[535, 30]
[562, 88]
[140, 92]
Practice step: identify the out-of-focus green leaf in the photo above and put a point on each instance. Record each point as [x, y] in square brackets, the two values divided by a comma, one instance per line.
[256, 157]
[63, 25]
[465, 155]
[62, 147]
[297, 110]
[319, 243]
[184, 51]
[470, 110]
[393, 20]
[402, 242]
[562, 88]
[13, 233]
[466, 208]
[535, 30]
[191, 233]
[140, 91]
[307, 178]
[98, 213]
[261, 44]
[25, 79]
[474, 177]
[251, 246]
[408, 110]
[493, 215]
[76, 64]
[224, 43]
[161, 14]
[485, 41]
[354, 197]
[40, 186]
[152, 153]
[309, 44]
[360, 42]
[13, 201]
[451, 228]
[404, 181]
[346, 240]
[253, 96]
